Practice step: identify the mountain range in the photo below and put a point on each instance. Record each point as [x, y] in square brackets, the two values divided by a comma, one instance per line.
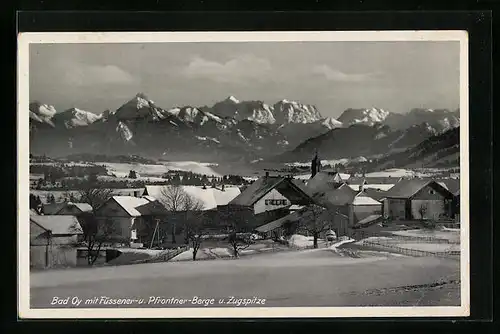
[230, 130]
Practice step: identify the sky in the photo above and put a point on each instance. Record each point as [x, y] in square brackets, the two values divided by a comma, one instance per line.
[333, 76]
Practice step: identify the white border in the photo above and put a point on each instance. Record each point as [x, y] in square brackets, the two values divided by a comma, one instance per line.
[24, 39]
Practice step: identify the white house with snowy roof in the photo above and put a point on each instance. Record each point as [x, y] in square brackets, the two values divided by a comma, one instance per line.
[131, 218]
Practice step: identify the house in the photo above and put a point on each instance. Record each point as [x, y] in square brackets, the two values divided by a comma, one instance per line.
[412, 199]
[132, 218]
[324, 181]
[53, 240]
[52, 208]
[75, 209]
[266, 199]
[363, 206]
[379, 195]
[347, 205]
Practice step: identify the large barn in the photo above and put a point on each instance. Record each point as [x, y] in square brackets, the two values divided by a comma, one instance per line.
[416, 199]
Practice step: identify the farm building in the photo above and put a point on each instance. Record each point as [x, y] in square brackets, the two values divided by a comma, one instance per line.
[75, 209]
[53, 240]
[413, 199]
[295, 221]
[343, 201]
[132, 218]
[266, 199]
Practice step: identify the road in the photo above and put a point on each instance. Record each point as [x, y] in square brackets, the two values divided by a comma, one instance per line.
[305, 278]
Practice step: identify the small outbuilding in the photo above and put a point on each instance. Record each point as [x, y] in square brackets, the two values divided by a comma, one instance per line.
[53, 240]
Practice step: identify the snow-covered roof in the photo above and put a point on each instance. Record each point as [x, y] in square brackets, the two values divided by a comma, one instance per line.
[384, 187]
[264, 185]
[83, 207]
[364, 199]
[210, 197]
[58, 224]
[130, 203]
[408, 188]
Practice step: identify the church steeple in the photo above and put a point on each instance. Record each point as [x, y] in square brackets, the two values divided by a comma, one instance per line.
[315, 164]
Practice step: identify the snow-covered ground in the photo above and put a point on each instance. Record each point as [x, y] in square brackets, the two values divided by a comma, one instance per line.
[429, 247]
[203, 254]
[301, 241]
[67, 163]
[192, 166]
[323, 162]
[395, 172]
[151, 252]
[452, 235]
[148, 170]
[401, 172]
[375, 240]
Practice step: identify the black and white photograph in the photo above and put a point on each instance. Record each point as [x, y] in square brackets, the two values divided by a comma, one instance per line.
[255, 174]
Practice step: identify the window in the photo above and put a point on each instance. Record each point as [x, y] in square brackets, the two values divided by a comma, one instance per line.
[432, 192]
[275, 202]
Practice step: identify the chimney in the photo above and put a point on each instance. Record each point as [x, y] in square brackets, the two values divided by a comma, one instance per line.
[267, 174]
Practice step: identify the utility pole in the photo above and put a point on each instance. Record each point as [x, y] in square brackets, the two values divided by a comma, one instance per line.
[154, 233]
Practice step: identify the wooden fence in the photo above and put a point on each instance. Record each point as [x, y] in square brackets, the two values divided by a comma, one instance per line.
[164, 256]
[412, 252]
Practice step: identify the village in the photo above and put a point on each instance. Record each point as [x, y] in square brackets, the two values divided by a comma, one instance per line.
[325, 209]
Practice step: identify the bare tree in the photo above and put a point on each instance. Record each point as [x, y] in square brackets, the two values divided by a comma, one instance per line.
[175, 199]
[236, 223]
[314, 220]
[94, 196]
[238, 242]
[96, 233]
[194, 223]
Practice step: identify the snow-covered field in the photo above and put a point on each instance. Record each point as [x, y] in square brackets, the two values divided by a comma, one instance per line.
[429, 247]
[148, 170]
[279, 277]
[67, 163]
[323, 162]
[192, 166]
[401, 172]
[138, 178]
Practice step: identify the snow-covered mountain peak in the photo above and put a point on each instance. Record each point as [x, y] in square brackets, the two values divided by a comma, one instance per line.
[287, 111]
[232, 99]
[331, 123]
[368, 116]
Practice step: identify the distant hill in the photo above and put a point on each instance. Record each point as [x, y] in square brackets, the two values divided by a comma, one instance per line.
[442, 150]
